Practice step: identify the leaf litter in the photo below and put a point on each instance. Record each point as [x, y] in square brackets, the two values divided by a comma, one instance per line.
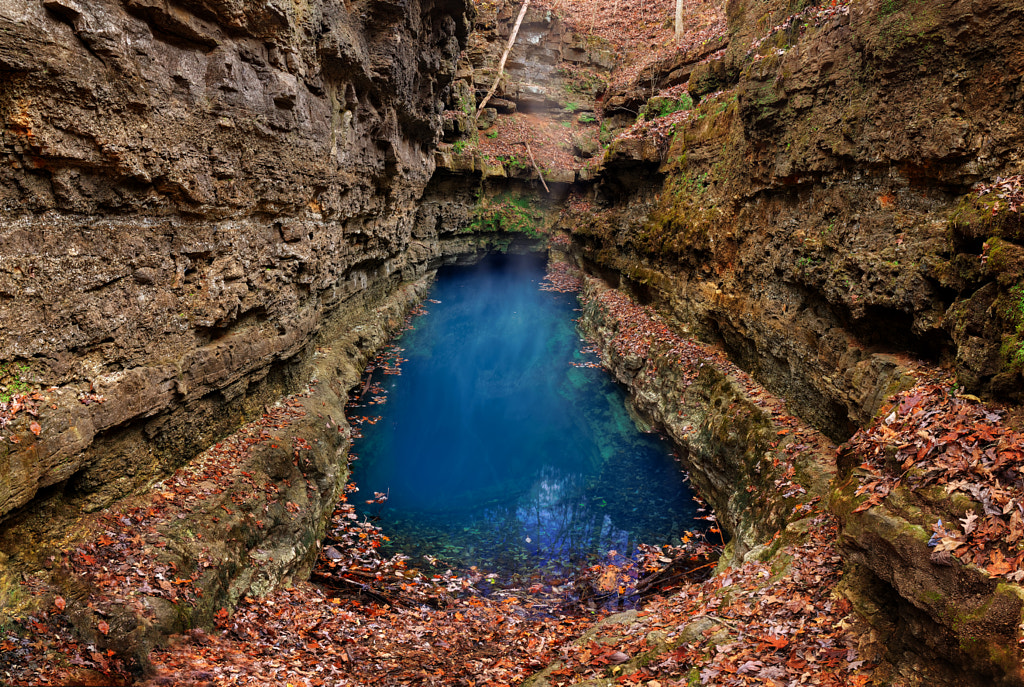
[366, 619]
[931, 436]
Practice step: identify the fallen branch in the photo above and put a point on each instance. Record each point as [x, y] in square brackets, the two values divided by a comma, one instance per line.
[530, 153]
[675, 575]
[501, 64]
[334, 583]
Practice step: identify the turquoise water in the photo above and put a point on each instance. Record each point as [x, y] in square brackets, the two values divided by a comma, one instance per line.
[496, 449]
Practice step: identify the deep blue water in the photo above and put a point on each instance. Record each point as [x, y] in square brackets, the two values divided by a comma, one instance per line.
[497, 451]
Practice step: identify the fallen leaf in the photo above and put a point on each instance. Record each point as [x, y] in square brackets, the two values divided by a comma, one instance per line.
[750, 667]
[970, 522]
[999, 565]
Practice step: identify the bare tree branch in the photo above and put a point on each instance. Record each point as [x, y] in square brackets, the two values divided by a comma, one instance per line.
[501, 64]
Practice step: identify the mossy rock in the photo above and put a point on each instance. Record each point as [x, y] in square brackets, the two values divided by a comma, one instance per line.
[508, 213]
[1005, 261]
[659, 106]
[708, 77]
[684, 221]
[978, 217]
[971, 621]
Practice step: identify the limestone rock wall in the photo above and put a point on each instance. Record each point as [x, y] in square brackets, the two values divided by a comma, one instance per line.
[815, 212]
[732, 435]
[818, 215]
[189, 190]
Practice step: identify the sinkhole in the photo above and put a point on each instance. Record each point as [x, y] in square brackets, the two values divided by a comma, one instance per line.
[499, 441]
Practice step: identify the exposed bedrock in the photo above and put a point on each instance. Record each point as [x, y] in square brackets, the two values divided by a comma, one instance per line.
[189, 190]
[209, 203]
[815, 214]
[199, 200]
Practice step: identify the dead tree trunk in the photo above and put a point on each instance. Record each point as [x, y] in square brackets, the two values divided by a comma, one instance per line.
[679, 21]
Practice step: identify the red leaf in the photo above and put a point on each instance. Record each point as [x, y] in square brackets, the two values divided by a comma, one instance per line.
[103, 627]
[873, 500]
[36, 428]
[909, 403]
[999, 565]
[777, 642]
[60, 604]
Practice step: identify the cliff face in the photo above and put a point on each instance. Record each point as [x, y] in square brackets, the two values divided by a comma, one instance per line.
[189, 191]
[818, 215]
[206, 204]
[817, 212]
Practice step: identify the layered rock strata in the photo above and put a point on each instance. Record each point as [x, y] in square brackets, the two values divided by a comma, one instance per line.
[749, 457]
[814, 212]
[920, 617]
[198, 194]
[191, 190]
[200, 200]
[818, 215]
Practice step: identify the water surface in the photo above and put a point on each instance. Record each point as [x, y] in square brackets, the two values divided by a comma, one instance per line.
[498, 447]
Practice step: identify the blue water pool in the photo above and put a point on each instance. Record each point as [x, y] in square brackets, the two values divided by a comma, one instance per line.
[496, 447]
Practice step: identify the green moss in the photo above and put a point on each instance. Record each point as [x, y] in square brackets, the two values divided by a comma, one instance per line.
[1010, 307]
[514, 162]
[660, 106]
[507, 213]
[974, 215]
[997, 258]
[773, 549]
[14, 380]
[683, 222]
[14, 601]
[1011, 351]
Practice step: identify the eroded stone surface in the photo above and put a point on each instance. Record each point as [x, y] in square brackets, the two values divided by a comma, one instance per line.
[816, 217]
[189, 191]
[747, 456]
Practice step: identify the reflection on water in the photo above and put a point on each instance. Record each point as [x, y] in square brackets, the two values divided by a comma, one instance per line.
[496, 451]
